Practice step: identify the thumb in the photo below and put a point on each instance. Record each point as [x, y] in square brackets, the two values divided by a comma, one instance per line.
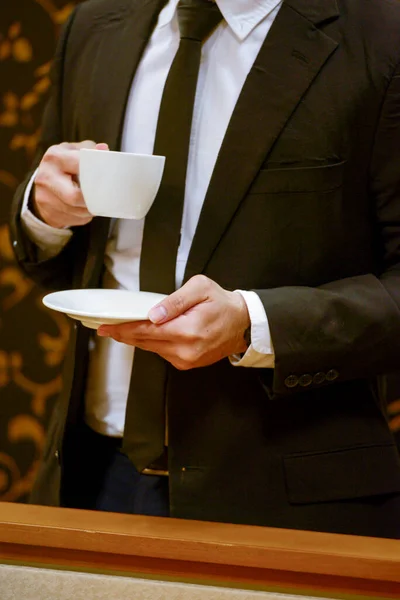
[195, 291]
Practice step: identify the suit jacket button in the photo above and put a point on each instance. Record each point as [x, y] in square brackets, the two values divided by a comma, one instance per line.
[291, 381]
[331, 375]
[305, 380]
[57, 455]
[319, 378]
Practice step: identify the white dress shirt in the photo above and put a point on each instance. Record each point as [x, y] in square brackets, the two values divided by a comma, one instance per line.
[227, 57]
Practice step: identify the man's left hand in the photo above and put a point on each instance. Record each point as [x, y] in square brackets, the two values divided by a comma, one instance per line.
[196, 326]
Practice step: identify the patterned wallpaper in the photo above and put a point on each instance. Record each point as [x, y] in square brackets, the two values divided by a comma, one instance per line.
[32, 339]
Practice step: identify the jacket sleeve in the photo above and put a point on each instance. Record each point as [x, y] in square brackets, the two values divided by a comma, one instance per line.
[349, 328]
[55, 273]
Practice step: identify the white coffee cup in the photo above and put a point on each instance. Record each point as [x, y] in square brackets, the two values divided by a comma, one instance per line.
[120, 185]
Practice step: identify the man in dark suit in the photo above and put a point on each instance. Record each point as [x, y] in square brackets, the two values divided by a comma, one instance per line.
[274, 409]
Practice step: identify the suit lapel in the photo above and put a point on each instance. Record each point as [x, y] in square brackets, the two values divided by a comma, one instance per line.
[120, 44]
[290, 58]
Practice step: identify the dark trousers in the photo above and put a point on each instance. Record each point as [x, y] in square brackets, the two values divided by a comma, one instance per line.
[97, 476]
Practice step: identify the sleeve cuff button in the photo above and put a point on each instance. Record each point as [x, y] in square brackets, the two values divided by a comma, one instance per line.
[305, 380]
[291, 381]
[319, 378]
[331, 375]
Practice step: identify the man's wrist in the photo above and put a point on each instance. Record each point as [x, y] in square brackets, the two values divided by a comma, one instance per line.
[247, 336]
[260, 351]
[32, 206]
[49, 240]
[243, 323]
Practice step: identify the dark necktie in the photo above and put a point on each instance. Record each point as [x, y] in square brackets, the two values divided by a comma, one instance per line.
[145, 416]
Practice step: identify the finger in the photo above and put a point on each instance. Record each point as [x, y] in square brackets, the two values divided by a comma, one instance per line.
[70, 159]
[62, 187]
[195, 291]
[54, 212]
[183, 356]
[60, 220]
[64, 157]
[163, 349]
[124, 334]
[137, 330]
[90, 144]
[70, 213]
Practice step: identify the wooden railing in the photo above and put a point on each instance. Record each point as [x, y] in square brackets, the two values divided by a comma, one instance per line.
[230, 555]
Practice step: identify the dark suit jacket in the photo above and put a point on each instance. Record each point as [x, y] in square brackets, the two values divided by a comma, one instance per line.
[303, 207]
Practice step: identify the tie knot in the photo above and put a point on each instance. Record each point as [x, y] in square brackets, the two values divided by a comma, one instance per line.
[197, 18]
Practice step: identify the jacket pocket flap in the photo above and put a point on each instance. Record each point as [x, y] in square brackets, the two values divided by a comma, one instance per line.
[303, 179]
[342, 474]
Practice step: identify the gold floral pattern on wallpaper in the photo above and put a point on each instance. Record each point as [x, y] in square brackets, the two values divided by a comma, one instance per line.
[32, 339]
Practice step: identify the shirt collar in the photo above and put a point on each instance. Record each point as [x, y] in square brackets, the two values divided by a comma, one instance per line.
[242, 16]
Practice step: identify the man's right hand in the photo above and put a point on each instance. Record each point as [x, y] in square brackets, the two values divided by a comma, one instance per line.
[56, 197]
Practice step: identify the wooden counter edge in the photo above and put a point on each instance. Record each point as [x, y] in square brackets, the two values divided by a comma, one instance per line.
[200, 542]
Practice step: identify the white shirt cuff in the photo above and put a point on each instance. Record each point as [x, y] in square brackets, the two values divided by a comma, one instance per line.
[49, 240]
[260, 353]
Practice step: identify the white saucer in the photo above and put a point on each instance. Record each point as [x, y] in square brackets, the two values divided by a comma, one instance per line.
[103, 307]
